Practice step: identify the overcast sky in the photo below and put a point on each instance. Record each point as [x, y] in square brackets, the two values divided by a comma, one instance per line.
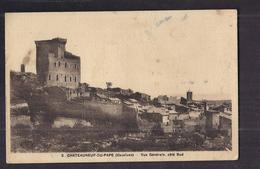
[153, 52]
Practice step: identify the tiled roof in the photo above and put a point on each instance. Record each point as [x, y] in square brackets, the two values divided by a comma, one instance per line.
[69, 55]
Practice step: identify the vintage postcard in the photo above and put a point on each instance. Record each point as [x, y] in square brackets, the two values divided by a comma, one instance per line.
[122, 86]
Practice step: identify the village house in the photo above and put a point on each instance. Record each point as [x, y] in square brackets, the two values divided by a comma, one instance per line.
[173, 115]
[195, 114]
[134, 104]
[141, 97]
[157, 115]
[98, 94]
[182, 108]
[183, 101]
[170, 121]
[223, 108]
[120, 93]
[164, 101]
[225, 125]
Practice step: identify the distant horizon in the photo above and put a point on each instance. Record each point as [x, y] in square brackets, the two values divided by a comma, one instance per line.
[196, 96]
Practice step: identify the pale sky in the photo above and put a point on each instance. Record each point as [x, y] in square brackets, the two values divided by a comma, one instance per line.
[162, 52]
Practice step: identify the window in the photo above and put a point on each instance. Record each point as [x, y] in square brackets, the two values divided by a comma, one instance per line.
[55, 64]
[65, 64]
[65, 78]
[57, 77]
[49, 77]
[70, 78]
[75, 79]
[75, 66]
[59, 63]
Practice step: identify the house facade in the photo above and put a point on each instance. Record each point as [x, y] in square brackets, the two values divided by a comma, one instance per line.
[55, 66]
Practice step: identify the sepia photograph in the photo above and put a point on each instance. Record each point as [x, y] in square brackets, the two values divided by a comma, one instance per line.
[121, 86]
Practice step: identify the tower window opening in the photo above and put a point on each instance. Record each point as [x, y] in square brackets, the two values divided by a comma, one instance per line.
[55, 64]
[57, 77]
[49, 77]
[65, 64]
[59, 63]
[65, 78]
[75, 79]
[70, 79]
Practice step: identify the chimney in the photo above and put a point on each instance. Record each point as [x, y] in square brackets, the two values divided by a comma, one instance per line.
[189, 95]
[22, 68]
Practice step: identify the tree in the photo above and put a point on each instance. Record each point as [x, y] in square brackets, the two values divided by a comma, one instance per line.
[109, 84]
